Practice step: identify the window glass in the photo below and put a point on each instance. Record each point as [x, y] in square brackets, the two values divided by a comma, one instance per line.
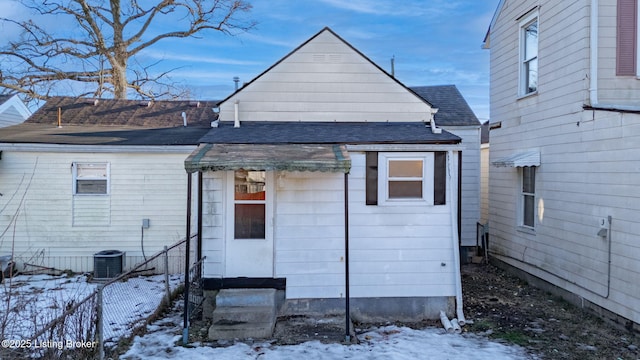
[528, 195]
[250, 205]
[405, 168]
[529, 72]
[91, 178]
[405, 189]
[405, 179]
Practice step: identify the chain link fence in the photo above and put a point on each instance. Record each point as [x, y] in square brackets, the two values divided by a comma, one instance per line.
[89, 321]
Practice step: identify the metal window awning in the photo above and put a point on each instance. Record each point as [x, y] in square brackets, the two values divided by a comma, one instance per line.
[288, 157]
[528, 158]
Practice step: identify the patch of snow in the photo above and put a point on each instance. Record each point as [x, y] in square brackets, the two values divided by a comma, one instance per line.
[390, 342]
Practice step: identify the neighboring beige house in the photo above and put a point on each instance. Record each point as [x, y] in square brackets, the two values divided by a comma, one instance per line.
[12, 110]
[322, 151]
[83, 175]
[565, 149]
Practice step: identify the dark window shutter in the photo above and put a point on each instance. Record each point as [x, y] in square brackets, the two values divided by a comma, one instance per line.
[440, 178]
[626, 37]
[371, 175]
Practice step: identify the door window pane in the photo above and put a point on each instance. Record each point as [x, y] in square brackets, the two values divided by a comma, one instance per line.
[249, 221]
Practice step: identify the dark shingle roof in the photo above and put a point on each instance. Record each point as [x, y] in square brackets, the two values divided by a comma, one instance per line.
[327, 133]
[453, 109]
[111, 112]
[113, 122]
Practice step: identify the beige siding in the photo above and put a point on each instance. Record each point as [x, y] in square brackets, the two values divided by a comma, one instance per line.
[589, 161]
[38, 206]
[325, 80]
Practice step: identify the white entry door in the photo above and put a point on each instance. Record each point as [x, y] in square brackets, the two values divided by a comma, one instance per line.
[249, 235]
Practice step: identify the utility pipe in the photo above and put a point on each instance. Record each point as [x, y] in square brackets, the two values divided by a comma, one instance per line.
[593, 42]
[456, 326]
[454, 238]
[445, 322]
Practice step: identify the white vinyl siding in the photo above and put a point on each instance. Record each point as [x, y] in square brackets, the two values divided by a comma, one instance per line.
[325, 80]
[142, 186]
[395, 251]
[589, 159]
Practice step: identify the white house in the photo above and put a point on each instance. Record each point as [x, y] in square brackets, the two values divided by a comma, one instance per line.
[325, 162]
[86, 175]
[455, 116]
[565, 144]
[12, 110]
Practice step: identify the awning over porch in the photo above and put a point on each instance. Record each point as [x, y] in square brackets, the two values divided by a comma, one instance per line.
[289, 157]
[528, 158]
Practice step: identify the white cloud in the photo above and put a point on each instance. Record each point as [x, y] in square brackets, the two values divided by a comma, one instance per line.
[206, 59]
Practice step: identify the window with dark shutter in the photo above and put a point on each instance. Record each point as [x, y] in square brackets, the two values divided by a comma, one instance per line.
[440, 178]
[371, 178]
[626, 42]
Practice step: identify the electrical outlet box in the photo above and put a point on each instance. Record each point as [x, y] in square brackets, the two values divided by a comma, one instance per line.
[145, 223]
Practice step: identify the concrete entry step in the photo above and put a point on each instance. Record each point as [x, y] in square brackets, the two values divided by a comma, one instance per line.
[246, 297]
[243, 314]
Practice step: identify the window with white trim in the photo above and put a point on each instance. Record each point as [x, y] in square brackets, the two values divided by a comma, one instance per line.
[529, 54]
[528, 197]
[405, 178]
[90, 178]
[403, 181]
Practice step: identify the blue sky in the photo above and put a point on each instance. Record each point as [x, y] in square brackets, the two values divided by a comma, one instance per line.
[434, 42]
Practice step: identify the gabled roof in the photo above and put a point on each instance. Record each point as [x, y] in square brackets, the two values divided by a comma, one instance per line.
[13, 101]
[486, 42]
[113, 122]
[453, 109]
[325, 29]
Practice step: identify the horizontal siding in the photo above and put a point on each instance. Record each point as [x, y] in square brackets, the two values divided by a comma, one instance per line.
[325, 80]
[470, 182]
[612, 89]
[143, 186]
[590, 166]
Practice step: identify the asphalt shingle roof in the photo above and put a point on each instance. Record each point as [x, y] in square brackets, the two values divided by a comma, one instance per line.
[327, 133]
[113, 122]
[453, 109]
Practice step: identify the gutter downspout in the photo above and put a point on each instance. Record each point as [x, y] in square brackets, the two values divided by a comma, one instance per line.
[185, 330]
[454, 237]
[432, 122]
[347, 336]
[593, 42]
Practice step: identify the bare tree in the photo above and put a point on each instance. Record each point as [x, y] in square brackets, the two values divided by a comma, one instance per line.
[107, 36]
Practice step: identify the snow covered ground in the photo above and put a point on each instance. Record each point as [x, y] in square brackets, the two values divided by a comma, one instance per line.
[390, 342]
[29, 302]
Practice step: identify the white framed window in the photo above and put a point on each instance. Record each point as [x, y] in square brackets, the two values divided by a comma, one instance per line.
[627, 38]
[90, 178]
[406, 178]
[527, 209]
[529, 54]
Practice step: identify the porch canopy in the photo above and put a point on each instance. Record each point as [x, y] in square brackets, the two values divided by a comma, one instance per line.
[288, 157]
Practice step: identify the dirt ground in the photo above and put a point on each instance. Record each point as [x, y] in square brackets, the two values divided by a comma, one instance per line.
[507, 308]
[499, 306]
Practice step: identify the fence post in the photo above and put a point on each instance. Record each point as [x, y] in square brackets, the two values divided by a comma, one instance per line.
[99, 330]
[166, 275]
